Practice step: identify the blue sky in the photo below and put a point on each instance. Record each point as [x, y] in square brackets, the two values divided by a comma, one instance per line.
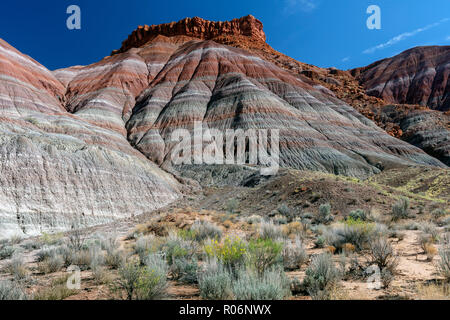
[325, 33]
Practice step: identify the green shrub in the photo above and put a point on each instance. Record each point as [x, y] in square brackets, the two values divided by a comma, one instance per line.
[202, 230]
[294, 255]
[176, 247]
[324, 216]
[270, 285]
[11, 291]
[184, 270]
[358, 214]
[321, 276]
[143, 282]
[215, 281]
[444, 263]
[230, 252]
[262, 254]
[400, 210]
[355, 232]
[6, 252]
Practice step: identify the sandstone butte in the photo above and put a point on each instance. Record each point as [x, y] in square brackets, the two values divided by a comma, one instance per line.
[92, 142]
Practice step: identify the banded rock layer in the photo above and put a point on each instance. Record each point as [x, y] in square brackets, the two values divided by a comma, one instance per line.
[228, 88]
[58, 167]
[417, 76]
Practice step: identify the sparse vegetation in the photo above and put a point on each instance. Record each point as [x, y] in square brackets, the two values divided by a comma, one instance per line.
[17, 268]
[294, 255]
[382, 255]
[146, 282]
[263, 254]
[324, 216]
[9, 290]
[215, 281]
[321, 277]
[400, 210]
[6, 252]
[268, 230]
[270, 285]
[230, 252]
[202, 230]
[444, 263]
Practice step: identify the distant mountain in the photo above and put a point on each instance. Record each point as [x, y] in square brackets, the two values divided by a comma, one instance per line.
[417, 76]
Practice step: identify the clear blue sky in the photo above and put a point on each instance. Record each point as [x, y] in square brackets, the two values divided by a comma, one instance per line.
[321, 32]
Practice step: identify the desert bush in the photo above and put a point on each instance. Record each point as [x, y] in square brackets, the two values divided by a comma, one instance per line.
[215, 281]
[31, 245]
[386, 278]
[81, 258]
[51, 264]
[268, 230]
[284, 210]
[51, 239]
[115, 258]
[184, 270]
[109, 243]
[146, 282]
[324, 215]
[382, 255]
[270, 285]
[294, 255]
[438, 213]
[9, 290]
[155, 284]
[400, 210]
[358, 214]
[444, 263]
[430, 250]
[254, 219]
[287, 213]
[175, 247]
[295, 229]
[6, 252]
[17, 268]
[230, 252]
[99, 274]
[77, 236]
[321, 277]
[58, 290]
[97, 257]
[262, 254]
[144, 246]
[430, 229]
[203, 230]
[232, 205]
[279, 219]
[355, 232]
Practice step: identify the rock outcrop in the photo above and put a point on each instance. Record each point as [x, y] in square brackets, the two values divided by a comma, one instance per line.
[197, 28]
[417, 76]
